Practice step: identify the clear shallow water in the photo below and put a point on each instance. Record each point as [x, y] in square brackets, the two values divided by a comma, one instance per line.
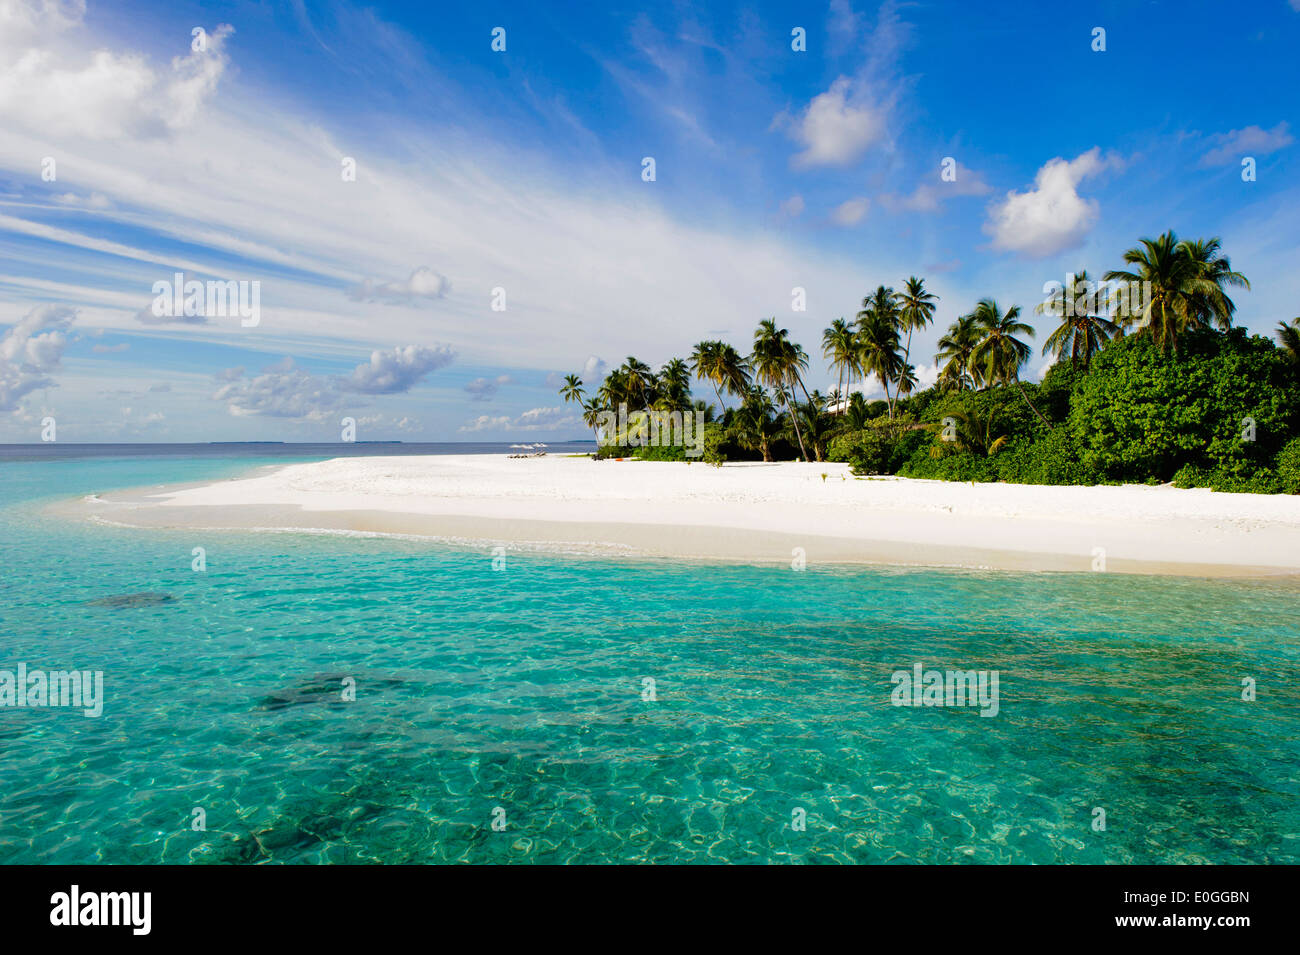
[521, 689]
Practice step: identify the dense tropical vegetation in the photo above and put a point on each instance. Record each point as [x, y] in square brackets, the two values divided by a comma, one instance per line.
[1151, 382]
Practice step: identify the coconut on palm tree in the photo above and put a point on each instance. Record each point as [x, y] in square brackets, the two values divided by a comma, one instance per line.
[777, 362]
[1083, 329]
[999, 352]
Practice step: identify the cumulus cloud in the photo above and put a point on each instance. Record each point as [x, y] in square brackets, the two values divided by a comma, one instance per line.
[483, 389]
[285, 390]
[30, 350]
[281, 391]
[1232, 147]
[535, 419]
[423, 283]
[1052, 216]
[396, 369]
[851, 212]
[836, 127]
[101, 94]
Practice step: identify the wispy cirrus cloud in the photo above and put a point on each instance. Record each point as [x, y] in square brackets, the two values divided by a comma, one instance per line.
[1231, 147]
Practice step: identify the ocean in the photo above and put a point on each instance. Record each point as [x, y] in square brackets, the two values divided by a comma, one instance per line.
[549, 708]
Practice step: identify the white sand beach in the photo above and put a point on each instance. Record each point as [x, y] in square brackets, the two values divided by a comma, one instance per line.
[747, 512]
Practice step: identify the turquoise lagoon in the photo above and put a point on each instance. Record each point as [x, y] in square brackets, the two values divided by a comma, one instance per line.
[517, 695]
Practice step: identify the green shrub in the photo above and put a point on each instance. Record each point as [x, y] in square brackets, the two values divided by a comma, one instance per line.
[1142, 412]
[1288, 467]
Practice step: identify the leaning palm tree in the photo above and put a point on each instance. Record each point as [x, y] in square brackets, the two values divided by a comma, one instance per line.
[1083, 330]
[571, 390]
[777, 362]
[916, 310]
[955, 349]
[1289, 336]
[999, 351]
[839, 347]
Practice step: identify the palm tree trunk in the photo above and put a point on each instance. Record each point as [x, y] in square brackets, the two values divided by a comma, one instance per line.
[1020, 388]
[794, 419]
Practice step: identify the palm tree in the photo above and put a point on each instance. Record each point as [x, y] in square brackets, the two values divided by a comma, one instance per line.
[675, 385]
[1210, 303]
[1082, 332]
[755, 422]
[999, 351]
[917, 307]
[973, 435]
[906, 380]
[591, 412]
[639, 384]
[878, 325]
[777, 361]
[733, 370]
[839, 346]
[571, 390]
[1187, 285]
[704, 362]
[955, 349]
[816, 424]
[1289, 336]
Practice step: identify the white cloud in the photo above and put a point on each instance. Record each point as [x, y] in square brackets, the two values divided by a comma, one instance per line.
[535, 419]
[284, 390]
[109, 349]
[281, 391]
[836, 127]
[30, 350]
[423, 283]
[1052, 216]
[928, 196]
[397, 369]
[50, 87]
[851, 212]
[792, 207]
[1233, 146]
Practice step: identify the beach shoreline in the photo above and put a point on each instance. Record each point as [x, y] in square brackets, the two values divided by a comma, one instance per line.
[757, 513]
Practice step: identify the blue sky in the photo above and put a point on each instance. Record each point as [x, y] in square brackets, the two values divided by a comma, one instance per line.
[521, 171]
